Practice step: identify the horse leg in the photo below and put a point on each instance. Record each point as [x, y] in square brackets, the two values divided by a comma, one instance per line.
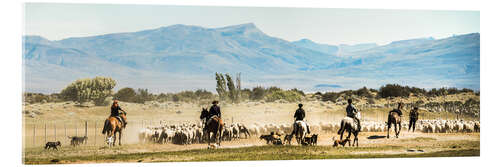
[341, 130]
[349, 137]
[207, 136]
[219, 134]
[120, 139]
[342, 133]
[399, 130]
[114, 138]
[356, 139]
[388, 129]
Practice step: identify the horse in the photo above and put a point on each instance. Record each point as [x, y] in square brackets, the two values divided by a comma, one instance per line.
[351, 126]
[395, 119]
[113, 125]
[215, 126]
[301, 131]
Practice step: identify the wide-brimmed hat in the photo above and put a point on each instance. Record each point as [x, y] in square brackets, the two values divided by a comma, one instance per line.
[215, 102]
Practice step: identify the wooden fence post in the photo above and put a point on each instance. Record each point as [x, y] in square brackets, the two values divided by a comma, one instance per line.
[86, 128]
[34, 134]
[45, 136]
[86, 134]
[76, 129]
[95, 133]
[65, 134]
[55, 132]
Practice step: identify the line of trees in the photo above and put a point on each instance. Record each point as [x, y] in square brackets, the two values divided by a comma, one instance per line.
[392, 90]
[99, 91]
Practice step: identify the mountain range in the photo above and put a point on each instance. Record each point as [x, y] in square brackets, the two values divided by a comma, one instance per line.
[183, 57]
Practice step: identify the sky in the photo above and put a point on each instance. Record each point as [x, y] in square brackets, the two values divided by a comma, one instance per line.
[323, 25]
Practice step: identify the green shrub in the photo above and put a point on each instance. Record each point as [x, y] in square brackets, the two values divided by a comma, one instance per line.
[258, 93]
[288, 95]
[85, 90]
[125, 94]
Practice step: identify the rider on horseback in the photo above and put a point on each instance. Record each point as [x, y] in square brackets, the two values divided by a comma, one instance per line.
[115, 112]
[351, 112]
[299, 115]
[213, 112]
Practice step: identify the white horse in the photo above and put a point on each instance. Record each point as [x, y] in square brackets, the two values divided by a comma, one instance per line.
[351, 126]
[301, 131]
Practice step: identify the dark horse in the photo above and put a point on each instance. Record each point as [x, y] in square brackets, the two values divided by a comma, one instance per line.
[113, 125]
[351, 126]
[214, 126]
[395, 119]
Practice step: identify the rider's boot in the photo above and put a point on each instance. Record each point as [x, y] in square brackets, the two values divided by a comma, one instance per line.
[308, 131]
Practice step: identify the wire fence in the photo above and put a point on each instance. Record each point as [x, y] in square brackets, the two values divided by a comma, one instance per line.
[38, 133]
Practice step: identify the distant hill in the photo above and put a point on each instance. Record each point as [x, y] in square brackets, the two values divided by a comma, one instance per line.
[182, 57]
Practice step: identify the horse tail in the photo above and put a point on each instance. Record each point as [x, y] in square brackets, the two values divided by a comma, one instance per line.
[105, 127]
[342, 126]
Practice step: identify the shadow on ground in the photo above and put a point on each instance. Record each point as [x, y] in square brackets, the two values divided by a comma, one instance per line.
[375, 137]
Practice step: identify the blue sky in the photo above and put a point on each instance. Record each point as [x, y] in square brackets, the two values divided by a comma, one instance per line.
[330, 26]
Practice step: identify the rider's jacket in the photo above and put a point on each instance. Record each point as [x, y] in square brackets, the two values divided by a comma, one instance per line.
[214, 110]
[300, 114]
[351, 110]
[115, 111]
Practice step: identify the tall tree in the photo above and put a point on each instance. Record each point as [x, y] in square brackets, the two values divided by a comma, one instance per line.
[221, 86]
[231, 88]
[238, 87]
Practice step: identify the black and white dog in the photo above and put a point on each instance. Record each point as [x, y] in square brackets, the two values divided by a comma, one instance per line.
[52, 145]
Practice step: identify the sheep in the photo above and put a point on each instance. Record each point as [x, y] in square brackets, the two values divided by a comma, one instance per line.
[235, 131]
[243, 129]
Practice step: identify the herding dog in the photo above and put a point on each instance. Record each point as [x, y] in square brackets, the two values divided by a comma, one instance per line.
[268, 138]
[341, 142]
[75, 140]
[288, 139]
[52, 145]
[314, 139]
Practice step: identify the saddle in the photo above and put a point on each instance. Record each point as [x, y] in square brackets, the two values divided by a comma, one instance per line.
[120, 119]
[213, 118]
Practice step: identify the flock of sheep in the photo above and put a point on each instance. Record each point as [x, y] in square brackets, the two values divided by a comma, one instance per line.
[190, 133]
[448, 126]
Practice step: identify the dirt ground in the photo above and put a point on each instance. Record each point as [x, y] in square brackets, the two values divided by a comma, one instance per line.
[375, 143]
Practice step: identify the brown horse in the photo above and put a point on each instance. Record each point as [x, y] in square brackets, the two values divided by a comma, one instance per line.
[395, 119]
[215, 125]
[113, 125]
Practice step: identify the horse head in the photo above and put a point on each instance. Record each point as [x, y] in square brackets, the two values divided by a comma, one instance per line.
[123, 115]
[204, 113]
